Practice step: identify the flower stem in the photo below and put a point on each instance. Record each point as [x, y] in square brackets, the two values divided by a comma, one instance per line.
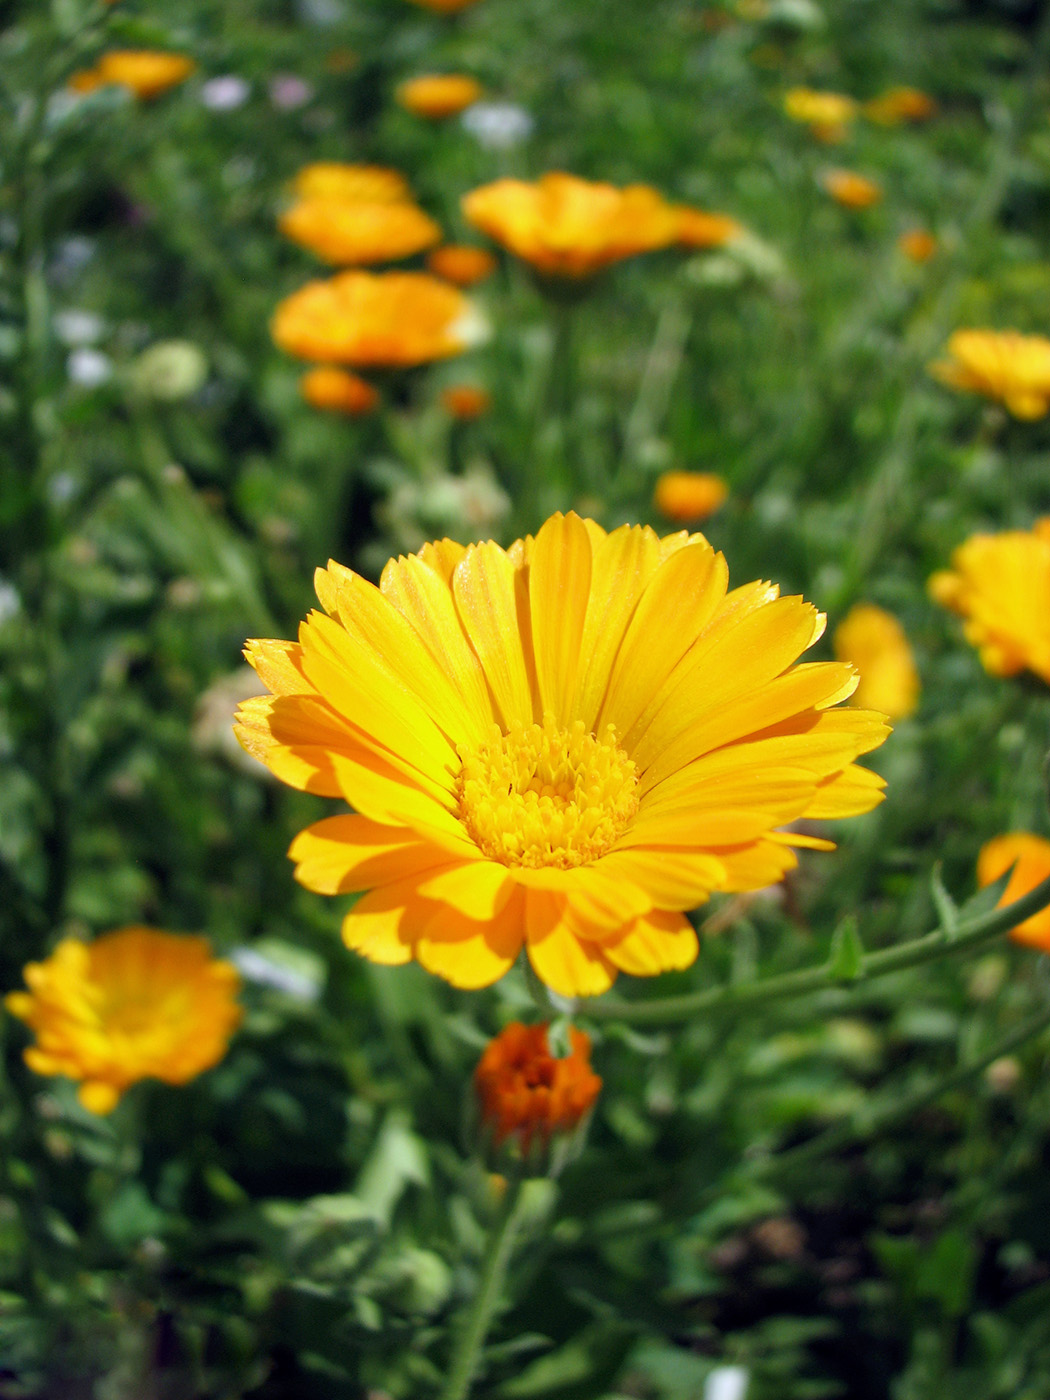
[466, 1352]
[966, 937]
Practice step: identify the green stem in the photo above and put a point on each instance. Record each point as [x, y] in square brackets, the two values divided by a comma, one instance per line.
[467, 1350]
[967, 937]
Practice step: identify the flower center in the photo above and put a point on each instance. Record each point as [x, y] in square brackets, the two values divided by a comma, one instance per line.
[541, 796]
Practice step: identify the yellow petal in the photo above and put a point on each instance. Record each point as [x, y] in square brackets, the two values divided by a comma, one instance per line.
[477, 890]
[471, 955]
[559, 585]
[484, 585]
[379, 791]
[661, 942]
[848, 794]
[383, 925]
[294, 735]
[341, 855]
[561, 960]
[672, 879]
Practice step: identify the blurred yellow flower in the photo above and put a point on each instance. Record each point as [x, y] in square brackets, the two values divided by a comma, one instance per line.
[689, 496]
[1000, 585]
[559, 746]
[147, 72]
[827, 114]
[851, 190]
[465, 401]
[699, 229]
[347, 234]
[567, 227]
[337, 390]
[438, 95]
[875, 643]
[384, 319]
[351, 184]
[1002, 365]
[135, 1004]
[461, 264]
[918, 244]
[900, 104]
[1030, 856]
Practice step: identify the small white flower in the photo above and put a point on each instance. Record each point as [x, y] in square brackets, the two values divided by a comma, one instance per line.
[726, 1383]
[287, 92]
[78, 327]
[88, 368]
[497, 125]
[10, 601]
[225, 93]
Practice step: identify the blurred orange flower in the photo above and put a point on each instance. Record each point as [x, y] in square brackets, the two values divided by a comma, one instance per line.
[875, 643]
[526, 1094]
[438, 95]
[386, 318]
[1030, 857]
[463, 265]
[918, 244]
[999, 584]
[346, 234]
[147, 72]
[699, 229]
[689, 496]
[135, 1004]
[851, 190]
[351, 184]
[1003, 365]
[567, 227]
[827, 114]
[465, 401]
[900, 104]
[338, 391]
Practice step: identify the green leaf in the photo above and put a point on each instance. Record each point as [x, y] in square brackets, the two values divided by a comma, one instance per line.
[846, 962]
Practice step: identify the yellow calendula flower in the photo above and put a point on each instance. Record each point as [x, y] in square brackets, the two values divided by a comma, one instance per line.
[1003, 365]
[851, 190]
[438, 95]
[392, 319]
[1030, 857]
[687, 497]
[567, 227]
[346, 234]
[1000, 585]
[135, 1004]
[900, 104]
[351, 184]
[561, 746]
[827, 114]
[875, 642]
[917, 244]
[147, 72]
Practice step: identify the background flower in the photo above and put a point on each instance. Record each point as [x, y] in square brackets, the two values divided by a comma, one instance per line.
[1002, 365]
[874, 641]
[1029, 855]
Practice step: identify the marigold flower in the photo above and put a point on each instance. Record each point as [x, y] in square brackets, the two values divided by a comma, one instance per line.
[338, 391]
[465, 401]
[1000, 584]
[438, 95]
[347, 234]
[351, 184]
[875, 642]
[526, 1094]
[385, 319]
[827, 114]
[135, 1004]
[461, 264]
[147, 72]
[567, 227]
[689, 496]
[699, 229]
[918, 244]
[560, 746]
[900, 104]
[1003, 365]
[1030, 857]
[851, 190]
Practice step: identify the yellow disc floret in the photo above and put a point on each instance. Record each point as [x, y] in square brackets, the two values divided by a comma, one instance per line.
[544, 796]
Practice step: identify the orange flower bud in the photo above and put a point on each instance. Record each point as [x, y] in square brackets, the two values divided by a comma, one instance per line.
[918, 244]
[526, 1095]
[851, 190]
[338, 391]
[465, 401]
[461, 264]
[438, 95]
[686, 496]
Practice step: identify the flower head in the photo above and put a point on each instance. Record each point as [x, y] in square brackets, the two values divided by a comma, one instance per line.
[465, 401]
[338, 391]
[1003, 365]
[827, 114]
[567, 227]
[135, 1004]
[461, 264]
[851, 190]
[392, 319]
[1030, 857]
[697, 228]
[560, 746]
[146, 72]
[917, 244]
[687, 497]
[352, 234]
[999, 584]
[900, 104]
[525, 1094]
[438, 95]
[351, 184]
[874, 641]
